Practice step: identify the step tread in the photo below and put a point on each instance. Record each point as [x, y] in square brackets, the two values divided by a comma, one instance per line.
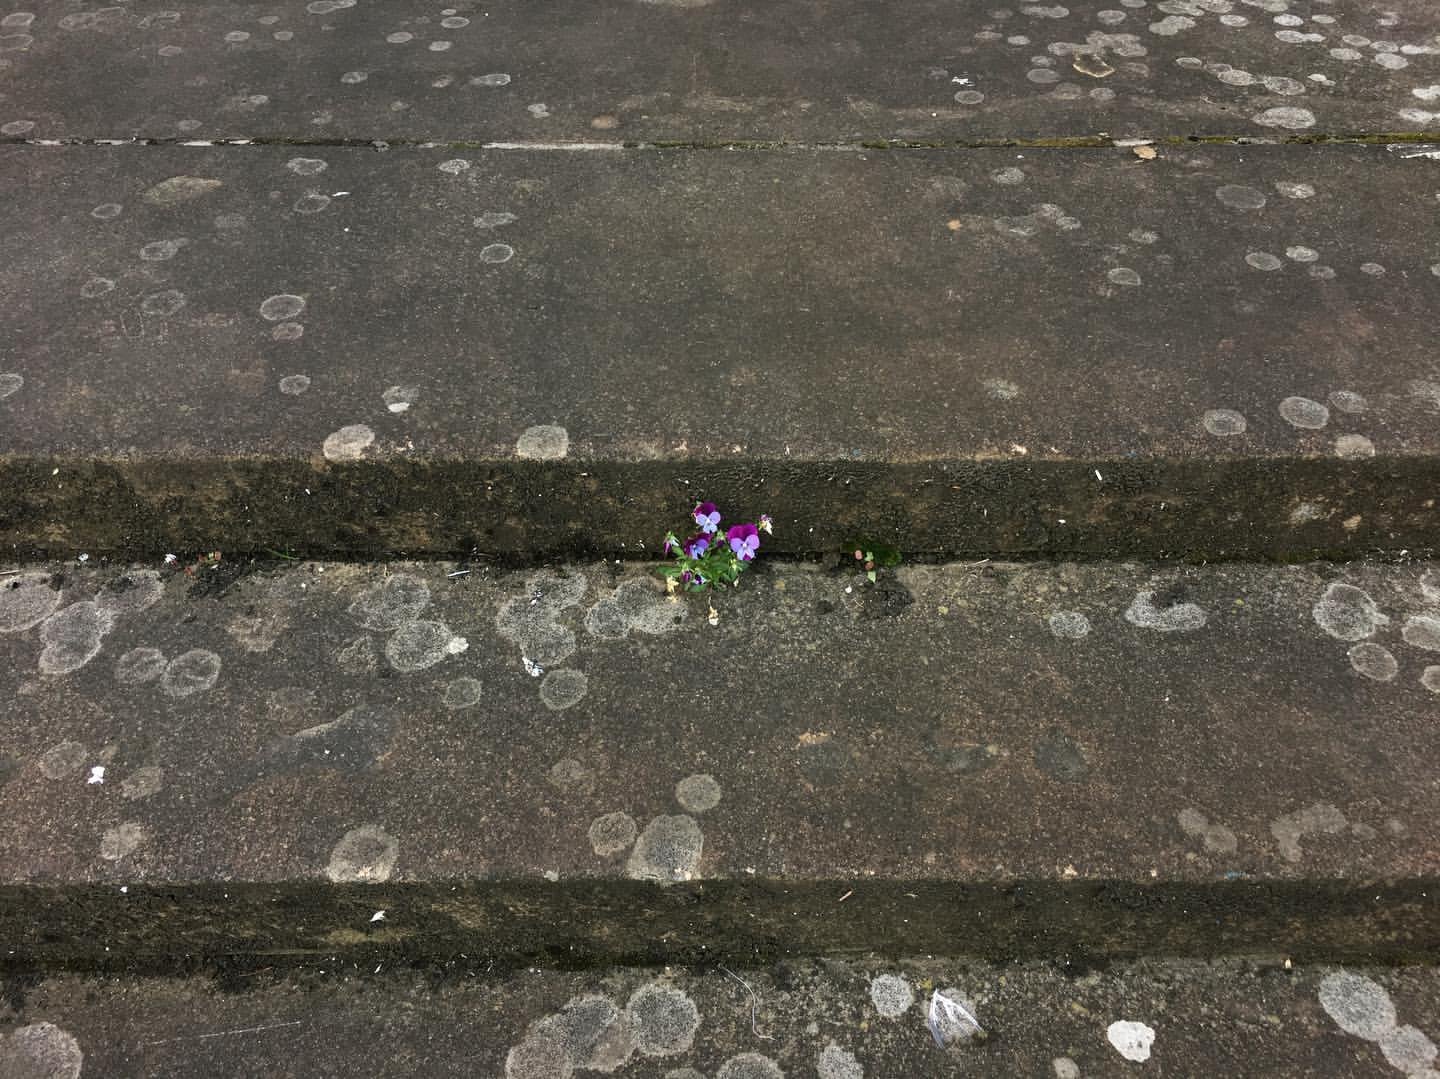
[1238, 1019]
[935, 732]
[793, 306]
[843, 330]
[621, 69]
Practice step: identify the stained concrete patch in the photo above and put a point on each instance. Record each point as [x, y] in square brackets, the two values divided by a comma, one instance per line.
[545, 443]
[352, 742]
[1408, 1049]
[364, 855]
[563, 689]
[1422, 631]
[195, 671]
[63, 760]
[1069, 625]
[391, 603]
[73, 637]
[1304, 413]
[1217, 838]
[697, 793]
[421, 644]
[750, 1066]
[1354, 447]
[1240, 197]
[538, 1057]
[1287, 117]
[1145, 612]
[462, 693]
[1374, 661]
[26, 600]
[1347, 613]
[1060, 757]
[662, 1020]
[121, 841]
[142, 783]
[357, 656]
[638, 605]
[1358, 1005]
[837, 1063]
[179, 189]
[40, 1051]
[571, 776]
[131, 592]
[1319, 819]
[591, 1032]
[891, 994]
[612, 833]
[348, 443]
[1430, 678]
[668, 850]
[282, 307]
[532, 621]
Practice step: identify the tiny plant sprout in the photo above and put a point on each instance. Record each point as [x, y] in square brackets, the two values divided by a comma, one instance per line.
[874, 556]
[714, 555]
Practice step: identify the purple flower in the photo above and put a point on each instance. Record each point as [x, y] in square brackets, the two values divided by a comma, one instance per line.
[767, 523]
[707, 516]
[690, 577]
[671, 543]
[744, 541]
[696, 546]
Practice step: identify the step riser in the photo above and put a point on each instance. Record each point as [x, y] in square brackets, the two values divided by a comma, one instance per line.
[1199, 511]
[583, 924]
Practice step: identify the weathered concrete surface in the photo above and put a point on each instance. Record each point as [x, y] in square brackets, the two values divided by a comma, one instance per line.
[618, 70]
[995, 760]
[1031, 352]
[1230, 1019]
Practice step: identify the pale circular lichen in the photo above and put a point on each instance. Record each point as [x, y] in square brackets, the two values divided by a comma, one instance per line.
[612, 833]
[698, 793]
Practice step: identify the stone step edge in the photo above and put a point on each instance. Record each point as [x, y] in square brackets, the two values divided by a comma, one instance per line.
[158, 928]
[1199, 509]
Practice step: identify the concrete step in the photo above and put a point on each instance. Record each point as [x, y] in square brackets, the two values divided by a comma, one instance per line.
[1225, 352]
[691, 70]
[242, 763]
[835, 1020]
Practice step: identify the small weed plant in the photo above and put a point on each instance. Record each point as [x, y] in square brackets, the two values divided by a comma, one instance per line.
[874, 556]
[714, 555]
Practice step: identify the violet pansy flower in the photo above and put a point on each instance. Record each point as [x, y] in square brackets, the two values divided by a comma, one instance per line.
[707, 516]
[744, 541]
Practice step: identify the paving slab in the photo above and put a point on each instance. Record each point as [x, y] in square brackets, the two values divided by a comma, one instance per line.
[694, 71]
[1224, 352]
[835, 1020]
[997, 760]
